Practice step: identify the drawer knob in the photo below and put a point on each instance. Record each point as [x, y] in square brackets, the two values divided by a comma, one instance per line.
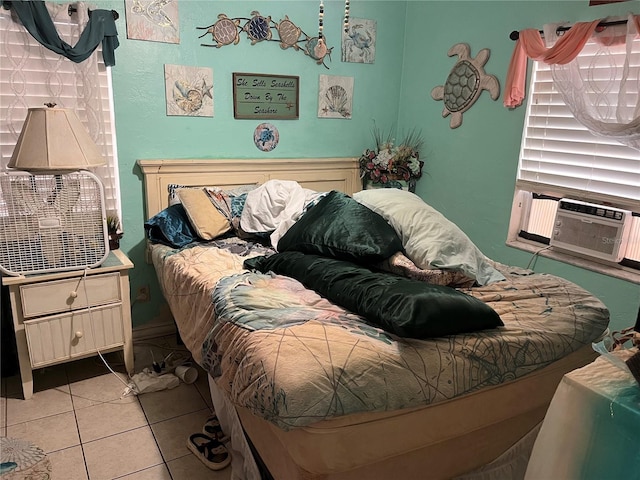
[79, 334]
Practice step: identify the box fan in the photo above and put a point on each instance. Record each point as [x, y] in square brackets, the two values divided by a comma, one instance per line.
[51, 222]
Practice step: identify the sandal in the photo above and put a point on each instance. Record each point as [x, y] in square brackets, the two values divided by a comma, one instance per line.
[213, 429]
[210, 452]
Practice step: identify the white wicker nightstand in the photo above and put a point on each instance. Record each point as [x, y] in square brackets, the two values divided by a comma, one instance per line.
[63, 316]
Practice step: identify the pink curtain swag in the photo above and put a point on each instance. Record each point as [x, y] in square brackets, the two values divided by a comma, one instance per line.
[589, 102]
[531, 45]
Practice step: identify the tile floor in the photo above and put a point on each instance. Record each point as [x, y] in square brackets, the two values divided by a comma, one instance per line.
[90, 432]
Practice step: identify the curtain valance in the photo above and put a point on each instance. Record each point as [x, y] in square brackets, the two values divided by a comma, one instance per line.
[531, 45]
[101, 27]
[600, 87]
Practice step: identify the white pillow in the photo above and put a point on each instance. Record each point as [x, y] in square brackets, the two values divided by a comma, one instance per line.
[273, 207]
[429, 239]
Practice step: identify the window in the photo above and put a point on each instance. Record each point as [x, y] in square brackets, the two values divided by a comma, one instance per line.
[560, 158]
[31, 75]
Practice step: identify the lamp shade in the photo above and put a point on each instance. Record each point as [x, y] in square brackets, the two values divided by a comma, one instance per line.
[54, 139]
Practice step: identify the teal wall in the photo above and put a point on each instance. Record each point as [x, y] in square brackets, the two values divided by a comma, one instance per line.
[471, 170]
[144, 130]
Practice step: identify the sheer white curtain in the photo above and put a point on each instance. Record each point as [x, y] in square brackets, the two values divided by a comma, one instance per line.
[601, 86]
[31, 75]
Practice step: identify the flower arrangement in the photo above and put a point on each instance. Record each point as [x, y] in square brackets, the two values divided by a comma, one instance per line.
[113, 223]
[391, 162]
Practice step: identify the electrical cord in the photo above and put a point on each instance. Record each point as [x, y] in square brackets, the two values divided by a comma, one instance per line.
[535, 256]
[83, 280]
[179, 359]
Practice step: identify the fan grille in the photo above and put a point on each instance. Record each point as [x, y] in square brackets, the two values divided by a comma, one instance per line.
[51, 222]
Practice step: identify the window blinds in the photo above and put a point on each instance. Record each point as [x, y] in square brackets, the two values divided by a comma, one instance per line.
[31, 75]
[557, 150]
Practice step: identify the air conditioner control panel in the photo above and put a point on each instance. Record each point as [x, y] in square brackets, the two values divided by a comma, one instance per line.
[591, 209]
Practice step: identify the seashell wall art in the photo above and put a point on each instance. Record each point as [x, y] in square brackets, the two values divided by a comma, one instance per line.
[335, 97]
[189, 90]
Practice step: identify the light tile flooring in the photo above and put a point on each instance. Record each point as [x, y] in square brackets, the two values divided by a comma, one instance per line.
[90, 432]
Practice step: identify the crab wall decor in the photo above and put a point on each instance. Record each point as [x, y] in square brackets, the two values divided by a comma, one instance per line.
[226, 31]
[359, 41]
[465, 83]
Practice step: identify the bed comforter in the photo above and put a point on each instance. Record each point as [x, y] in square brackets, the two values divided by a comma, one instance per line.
[294, 358]
[354, 340]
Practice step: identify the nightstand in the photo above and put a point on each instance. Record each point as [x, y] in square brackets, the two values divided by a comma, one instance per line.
[591, 428]
[63, 316]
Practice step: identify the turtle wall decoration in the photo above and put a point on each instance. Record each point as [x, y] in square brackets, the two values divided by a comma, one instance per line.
[258, 28]
[465, 83]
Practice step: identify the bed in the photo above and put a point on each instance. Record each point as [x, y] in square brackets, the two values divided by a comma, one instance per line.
[321, 392]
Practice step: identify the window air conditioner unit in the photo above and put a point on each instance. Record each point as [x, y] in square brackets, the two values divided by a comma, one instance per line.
[590, 229]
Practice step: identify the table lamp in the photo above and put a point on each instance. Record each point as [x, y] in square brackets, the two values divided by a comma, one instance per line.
[54, 139]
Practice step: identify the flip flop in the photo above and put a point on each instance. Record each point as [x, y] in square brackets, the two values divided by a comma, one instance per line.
[213, 429]
[210, 451]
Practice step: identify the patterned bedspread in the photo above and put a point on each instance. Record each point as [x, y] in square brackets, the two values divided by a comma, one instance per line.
[294, 358]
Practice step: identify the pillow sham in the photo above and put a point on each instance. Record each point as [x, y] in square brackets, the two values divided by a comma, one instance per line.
[207, 221]
[429, 239]
[230, 203]
[173, 189]
[222, 199]
[403, 266]
[339, 227]
[171, 227]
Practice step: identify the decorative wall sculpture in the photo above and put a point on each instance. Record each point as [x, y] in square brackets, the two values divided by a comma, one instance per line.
[258, 28]
[465, 83]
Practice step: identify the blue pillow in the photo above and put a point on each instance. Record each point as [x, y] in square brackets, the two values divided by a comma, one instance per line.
[171, 227]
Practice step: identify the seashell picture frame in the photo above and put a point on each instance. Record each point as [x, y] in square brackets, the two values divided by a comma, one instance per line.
[335, 97]
[188, 90]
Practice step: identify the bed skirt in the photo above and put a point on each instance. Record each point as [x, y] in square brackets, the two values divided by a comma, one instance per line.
[442, 440]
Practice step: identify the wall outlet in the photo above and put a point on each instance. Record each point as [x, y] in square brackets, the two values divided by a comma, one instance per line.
[143, 294]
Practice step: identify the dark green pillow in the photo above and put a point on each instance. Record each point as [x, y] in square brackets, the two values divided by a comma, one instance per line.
[339, 227]
[405, 307]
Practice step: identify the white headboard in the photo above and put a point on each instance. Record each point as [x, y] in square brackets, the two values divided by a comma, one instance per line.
[319, 174]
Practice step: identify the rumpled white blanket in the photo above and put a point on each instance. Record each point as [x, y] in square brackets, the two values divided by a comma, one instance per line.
[274, 207]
